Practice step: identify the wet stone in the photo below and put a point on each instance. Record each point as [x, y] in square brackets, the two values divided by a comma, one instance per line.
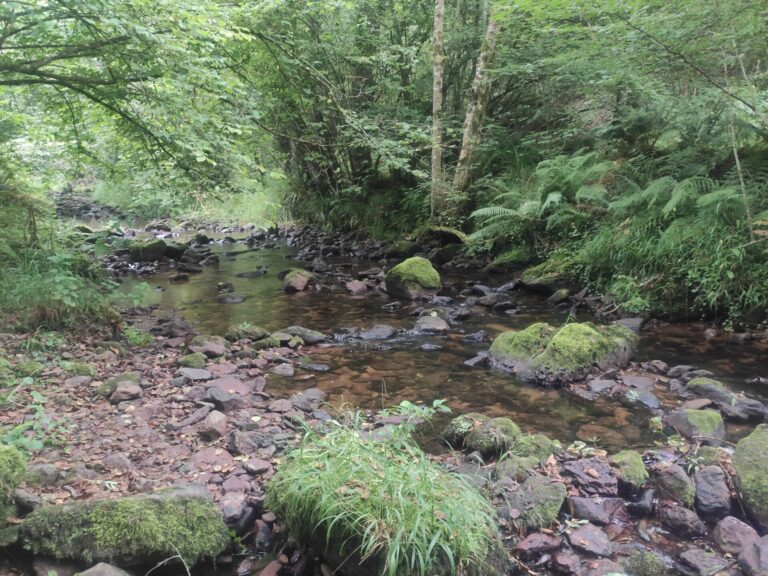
[225, 401]
[195, 374]
[309, 400]
[214, 426]
[593, 476]
[233, 506]
[597, 510]
[537, 543]
[731, 535]
[315, 367]
[283, 370]
[126, 391]
[566, 562]
[431, 325]
[378, 332]
[753, 559]
[118, 461]
[591, 540]
[602, 567]
[698, 562]
[682, 521]
[713, 496]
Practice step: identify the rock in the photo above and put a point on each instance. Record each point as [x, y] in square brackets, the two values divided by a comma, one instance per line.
[593, 476]
[645, 563]
[591, 540]
[25, 500]
[697, 562]
[634, 324]
[750, 460]
[546, 354]
[444, 254]
[413, 278]
[560, 296]
[103, 569]
[147, 250]
[536, 544]
[713, 497]
[230, 298]
[492, 437]
[629, 468]
[458, 428]
[225, 401]
[310, 337]
[37, 474]
[50, 567]
[526, 452]
[309, 400]
[733, 406]
[126, 391]
[597, 510]
[753, 559]
[703, 425]
[79, 368]
[536, 502]
[731, 535]
[132, 530]
[402, 249]
[682, 521]
[245, 330]
[315, 367]
[356, 287]
[258, 273]
[675, 484]
[546, 277]
[195, 360]
[195, 374]
[29, 368]
[283, 370]
[431, 325]
[566, 561]
[108, 388]
[211, 346]
[378, 332]
[175, 250]
[118, 461]
[213, 427]
[297, 280]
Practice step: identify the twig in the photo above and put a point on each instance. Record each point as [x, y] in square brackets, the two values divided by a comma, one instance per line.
[162, 563]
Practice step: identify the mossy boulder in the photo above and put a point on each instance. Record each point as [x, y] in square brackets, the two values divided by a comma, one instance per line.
[526, 453]
[307, 335]
[402, 249]
[127, 531]
[629, 468]
[542, 353]
[644, 563]
[175, 250]
[147, 250]
[413, 278]
[705, 426]
[493, 437]
[460, 427]
[13, 468]
[674, 483]
[245, 330]
[196, 360]
[79, 368]
[547, 277]
[29, 368]
[750, 460]
[268, 342]
[110, 385]
[536, 502]
[297, 280]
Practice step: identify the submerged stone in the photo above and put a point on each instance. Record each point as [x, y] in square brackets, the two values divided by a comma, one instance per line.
[180, 520]
[413, 278]
[546, 354]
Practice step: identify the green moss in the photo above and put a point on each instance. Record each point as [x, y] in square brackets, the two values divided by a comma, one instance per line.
[412, 275]
[676, 484]
[458, 428]
[13, 468]
[194, 360]
[516, 467]
[630, 468]
[709, 455]
[29, 368]
[264, 343]
[644, 563]
[78, 368]
[245, 330]
[292, 274]
[493, 438]
[147, 250]
[705, 422]
[537, 502]
[385, 503]
[8, 536]
[129, 530]
[534, 445]
[524, 345]
[750, 460]
[403, 248]
[548, 273]
[108, 387]
[701, 381]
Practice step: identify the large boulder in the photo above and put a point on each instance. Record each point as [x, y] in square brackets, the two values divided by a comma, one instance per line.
[297, 280]
[181, 520]
[413, 278]
[147, 250]
[750, 460]
[542, 353]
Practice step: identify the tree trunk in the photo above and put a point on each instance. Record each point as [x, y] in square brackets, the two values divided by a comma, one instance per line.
[438, 185]
[481, 90]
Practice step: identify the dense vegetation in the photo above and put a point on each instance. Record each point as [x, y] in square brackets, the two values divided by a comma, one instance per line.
[624, 141]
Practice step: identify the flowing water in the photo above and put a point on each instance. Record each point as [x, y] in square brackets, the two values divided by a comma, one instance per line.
[422, 368]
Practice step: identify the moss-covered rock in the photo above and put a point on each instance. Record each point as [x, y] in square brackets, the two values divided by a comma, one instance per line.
[245, 330]
[516, 467]
[12, 470]
[546, 277]
[307, 335]
[147, 250]
[175, 250]
[78, 368]
[9, 535]
[526, 452]
[493, 437]
[706, 426]
[644, 563]
[543, 353]
[29, 368]
[630, 468]
[536, 502]
[108, 387]
[710, 455]
[412, 278]
[211, 346]
[132, 530]
[195, 360]
[750, 460]
[297, 280]
[268, 342]
[402, 249]
[460, 427]
[674, 483]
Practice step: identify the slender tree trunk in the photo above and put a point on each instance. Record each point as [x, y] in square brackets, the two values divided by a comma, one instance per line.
[481, 90]
[438, 184]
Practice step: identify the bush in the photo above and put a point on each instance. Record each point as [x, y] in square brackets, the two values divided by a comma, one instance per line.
[384, 505]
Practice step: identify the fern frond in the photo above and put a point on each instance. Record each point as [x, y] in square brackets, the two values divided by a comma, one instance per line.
[593, 194]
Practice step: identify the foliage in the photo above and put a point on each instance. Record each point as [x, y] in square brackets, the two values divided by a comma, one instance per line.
[136, 337]
[384, 502]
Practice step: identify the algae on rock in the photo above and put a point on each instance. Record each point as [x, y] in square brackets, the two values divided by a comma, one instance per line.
[179, 520]
[630, 468]
[536, 502]
[413, 278]
[544, 353]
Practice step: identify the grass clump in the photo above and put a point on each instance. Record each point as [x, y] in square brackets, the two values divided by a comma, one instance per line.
[137, 338]
[384, 505]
